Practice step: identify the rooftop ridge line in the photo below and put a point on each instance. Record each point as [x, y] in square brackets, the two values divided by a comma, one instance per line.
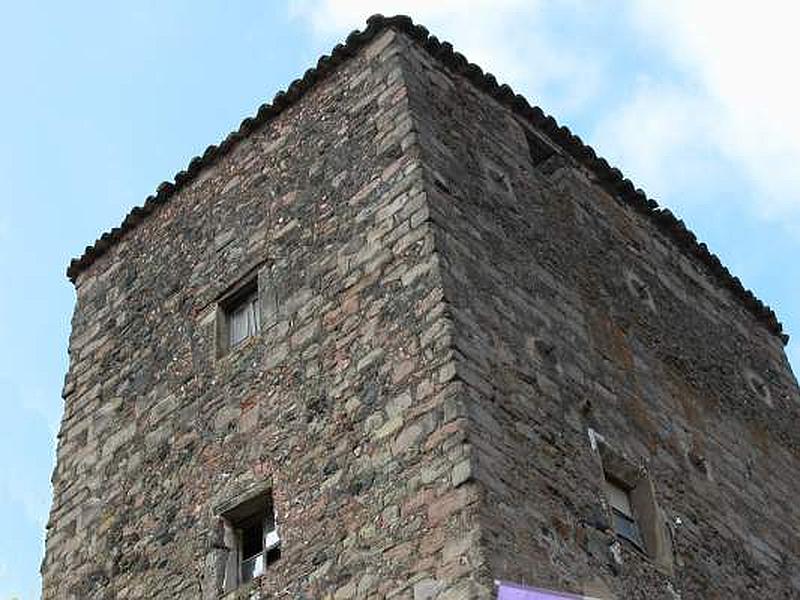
[609, 178]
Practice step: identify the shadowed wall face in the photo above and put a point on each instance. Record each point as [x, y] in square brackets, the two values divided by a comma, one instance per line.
[577, 319]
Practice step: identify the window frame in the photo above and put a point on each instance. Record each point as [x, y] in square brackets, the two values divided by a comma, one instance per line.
[243, 298]
[623, 511]
[652, 524]
[270, 543]
[245, 308]
[256, 510]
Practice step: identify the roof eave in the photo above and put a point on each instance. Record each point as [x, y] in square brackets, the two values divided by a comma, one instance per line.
[609, 178]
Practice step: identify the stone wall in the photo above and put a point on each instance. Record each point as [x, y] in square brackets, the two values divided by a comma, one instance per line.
[341, 404]
[574, 313]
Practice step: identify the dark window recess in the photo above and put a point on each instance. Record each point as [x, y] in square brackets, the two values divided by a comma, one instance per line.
[259, 545]
[539, 149]
[626, 527]
[632, 508]
[255, 541]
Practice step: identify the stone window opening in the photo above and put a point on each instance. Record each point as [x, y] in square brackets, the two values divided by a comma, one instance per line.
[251, 540]
[243, 320]
[623, 518]
[633, 511]
[238, 316]
[545, 158]
[259, 546]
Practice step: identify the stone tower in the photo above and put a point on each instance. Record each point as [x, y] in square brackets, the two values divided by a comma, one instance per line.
[401, 336]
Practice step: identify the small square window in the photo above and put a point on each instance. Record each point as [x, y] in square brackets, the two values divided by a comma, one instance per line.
[259, 545]
[238, 316]
[624, 520]
[252, 540]
[632, 507]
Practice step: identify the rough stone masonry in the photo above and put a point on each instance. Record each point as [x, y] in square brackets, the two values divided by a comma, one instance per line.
[470, 332]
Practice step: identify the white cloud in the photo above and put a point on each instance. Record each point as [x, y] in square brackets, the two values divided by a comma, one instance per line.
[658, 135]
[741, 61]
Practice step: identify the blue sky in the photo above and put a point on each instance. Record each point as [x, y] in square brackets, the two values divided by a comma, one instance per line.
[104, 100]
